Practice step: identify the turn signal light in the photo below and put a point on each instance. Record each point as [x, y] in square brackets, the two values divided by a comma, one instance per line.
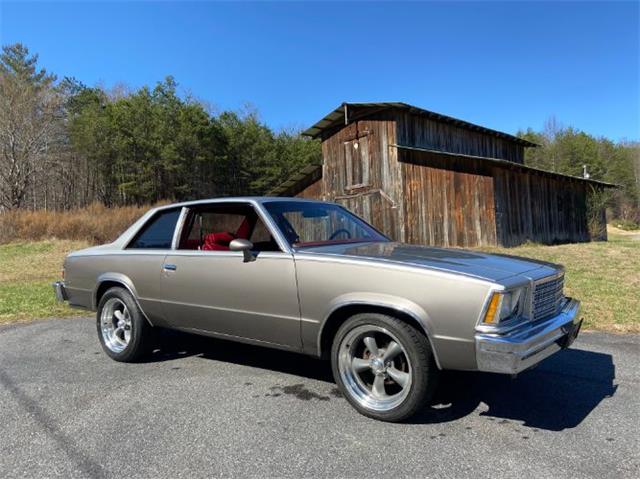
[494, 307]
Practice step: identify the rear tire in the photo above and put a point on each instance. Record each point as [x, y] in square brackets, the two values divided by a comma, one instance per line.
[383, 366]
[124, 332]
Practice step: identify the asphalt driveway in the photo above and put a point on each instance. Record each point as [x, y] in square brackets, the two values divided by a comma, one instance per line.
[203, 407]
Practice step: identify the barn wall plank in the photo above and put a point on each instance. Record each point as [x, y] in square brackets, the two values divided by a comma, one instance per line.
[540, 208]
[313, 191]
[423, 132]
[446, 202]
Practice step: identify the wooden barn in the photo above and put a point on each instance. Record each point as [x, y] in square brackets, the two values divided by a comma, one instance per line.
[426, 178]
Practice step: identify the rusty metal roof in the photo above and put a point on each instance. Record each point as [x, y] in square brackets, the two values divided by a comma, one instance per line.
[298, 181]
[348, 112]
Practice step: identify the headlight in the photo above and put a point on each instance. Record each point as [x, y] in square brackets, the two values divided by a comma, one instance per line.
[505, 306]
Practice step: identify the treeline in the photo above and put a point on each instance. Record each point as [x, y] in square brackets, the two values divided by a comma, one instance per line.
[573, 152]
[65, 145]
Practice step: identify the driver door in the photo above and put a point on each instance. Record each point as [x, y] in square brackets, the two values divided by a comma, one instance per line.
[209, 288]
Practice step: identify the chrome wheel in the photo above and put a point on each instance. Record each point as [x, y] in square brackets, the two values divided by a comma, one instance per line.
[374, 368]
[115, 324]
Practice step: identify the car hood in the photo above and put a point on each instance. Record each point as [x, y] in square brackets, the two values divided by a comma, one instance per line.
[485, 266]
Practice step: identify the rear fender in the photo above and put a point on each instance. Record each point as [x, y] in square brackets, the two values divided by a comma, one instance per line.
[120, 279]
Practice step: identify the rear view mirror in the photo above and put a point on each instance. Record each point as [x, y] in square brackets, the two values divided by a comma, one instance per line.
[244, 246]
[314, 213]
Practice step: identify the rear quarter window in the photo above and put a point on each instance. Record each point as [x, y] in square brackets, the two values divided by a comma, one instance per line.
[157, 232]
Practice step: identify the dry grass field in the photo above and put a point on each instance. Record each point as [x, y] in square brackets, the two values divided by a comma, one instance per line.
[95, 223]
[604, 275]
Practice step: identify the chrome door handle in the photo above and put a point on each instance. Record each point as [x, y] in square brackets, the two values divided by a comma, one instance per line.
[169, 266]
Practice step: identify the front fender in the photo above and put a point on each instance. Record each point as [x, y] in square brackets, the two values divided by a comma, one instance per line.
[391, 302]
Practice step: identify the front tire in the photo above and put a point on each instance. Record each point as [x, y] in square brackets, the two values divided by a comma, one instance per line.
[384, 367]
[124, 333]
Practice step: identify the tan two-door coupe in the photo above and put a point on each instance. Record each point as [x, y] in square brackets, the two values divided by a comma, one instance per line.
[312, 277]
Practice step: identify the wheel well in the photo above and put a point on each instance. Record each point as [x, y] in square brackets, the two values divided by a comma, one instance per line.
[339, 316]
[107, 284]
[104, 286]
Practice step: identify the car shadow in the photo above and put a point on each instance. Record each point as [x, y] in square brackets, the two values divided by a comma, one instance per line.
[558, 394]
[174, 345]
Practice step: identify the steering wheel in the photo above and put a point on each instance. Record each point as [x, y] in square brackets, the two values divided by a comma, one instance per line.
[338, 232]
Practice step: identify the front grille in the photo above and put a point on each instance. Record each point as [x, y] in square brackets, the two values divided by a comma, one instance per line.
[547, 297]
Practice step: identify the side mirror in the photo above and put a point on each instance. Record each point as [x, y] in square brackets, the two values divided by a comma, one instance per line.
[244, 246]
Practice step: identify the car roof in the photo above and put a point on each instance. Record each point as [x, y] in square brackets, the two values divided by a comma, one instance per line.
[249, 199]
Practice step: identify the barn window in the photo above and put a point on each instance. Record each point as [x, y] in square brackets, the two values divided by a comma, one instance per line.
[356, 153]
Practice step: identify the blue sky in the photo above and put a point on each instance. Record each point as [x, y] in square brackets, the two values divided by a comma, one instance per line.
[502, 65]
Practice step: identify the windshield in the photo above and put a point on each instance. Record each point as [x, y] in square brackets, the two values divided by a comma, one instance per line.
[308, 224]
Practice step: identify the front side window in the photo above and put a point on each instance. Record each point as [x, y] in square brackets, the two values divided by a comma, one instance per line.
[214, 227]
[306, 224]
[158, 231]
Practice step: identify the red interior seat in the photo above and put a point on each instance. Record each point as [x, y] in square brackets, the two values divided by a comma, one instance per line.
[217, 241]
[245, 228]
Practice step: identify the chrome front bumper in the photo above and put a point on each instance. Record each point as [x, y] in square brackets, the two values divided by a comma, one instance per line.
[61, 293]
[526, 346]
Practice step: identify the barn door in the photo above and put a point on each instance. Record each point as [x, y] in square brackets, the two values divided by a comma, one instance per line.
[357, 165]
[364, 176]
[357, 182]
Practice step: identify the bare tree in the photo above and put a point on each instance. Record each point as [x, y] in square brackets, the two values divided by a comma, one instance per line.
[29, 123]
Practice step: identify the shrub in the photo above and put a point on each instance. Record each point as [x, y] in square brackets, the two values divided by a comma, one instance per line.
[596, 213]
[626, 224]
[95, 223]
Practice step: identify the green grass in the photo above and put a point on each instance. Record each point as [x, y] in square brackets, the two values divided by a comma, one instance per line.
[26, 272]
[605, 276]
